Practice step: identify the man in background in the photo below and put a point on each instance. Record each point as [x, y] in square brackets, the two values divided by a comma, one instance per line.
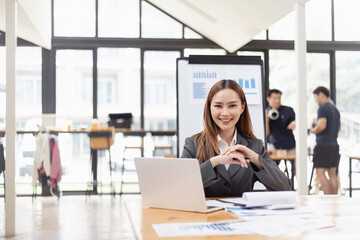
[280, 130]
[326, 152]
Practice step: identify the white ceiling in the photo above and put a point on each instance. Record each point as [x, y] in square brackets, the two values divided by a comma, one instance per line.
[34, 21]
[229, 23]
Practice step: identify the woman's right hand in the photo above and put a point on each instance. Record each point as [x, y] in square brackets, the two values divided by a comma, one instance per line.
[233, 158]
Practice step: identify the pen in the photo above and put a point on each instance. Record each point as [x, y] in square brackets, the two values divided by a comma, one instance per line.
[224, 201]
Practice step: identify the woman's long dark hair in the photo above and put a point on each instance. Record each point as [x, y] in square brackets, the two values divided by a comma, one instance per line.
[207, 138]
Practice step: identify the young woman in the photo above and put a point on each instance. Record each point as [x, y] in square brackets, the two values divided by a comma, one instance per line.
[231, 158]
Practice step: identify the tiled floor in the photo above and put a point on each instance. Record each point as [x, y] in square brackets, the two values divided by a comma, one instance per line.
[72, 217]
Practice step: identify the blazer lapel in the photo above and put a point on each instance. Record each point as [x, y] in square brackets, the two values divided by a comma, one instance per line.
[233, 168]
[222, 171]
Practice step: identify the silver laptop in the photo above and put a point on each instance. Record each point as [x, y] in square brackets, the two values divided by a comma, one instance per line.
[172, 183]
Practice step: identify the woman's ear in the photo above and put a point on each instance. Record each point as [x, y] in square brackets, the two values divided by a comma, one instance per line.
[242, 107]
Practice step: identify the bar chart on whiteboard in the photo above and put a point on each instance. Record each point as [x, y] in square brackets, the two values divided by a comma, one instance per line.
[203, 78]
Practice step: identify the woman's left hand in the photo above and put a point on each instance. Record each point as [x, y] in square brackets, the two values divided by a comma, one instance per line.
[248, 153]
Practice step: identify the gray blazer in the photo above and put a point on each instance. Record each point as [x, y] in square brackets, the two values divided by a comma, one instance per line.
[219, 182]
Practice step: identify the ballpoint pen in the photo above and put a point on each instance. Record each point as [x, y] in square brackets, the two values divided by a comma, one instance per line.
[235, 204]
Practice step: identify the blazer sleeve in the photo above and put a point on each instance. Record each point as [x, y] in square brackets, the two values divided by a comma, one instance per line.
[209, 174]
[271, 176]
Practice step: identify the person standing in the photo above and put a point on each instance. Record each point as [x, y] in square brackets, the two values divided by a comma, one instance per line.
[326, 152]
[280, 130]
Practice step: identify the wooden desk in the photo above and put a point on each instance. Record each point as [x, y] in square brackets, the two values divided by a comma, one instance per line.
[291, 159]
[350, 173]
[333, 207]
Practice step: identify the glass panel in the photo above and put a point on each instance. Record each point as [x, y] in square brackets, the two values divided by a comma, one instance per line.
[346, 15]
[28, 110]
[284, 29]
[2, 87]
[156, 24]
[261, 36]
[282, 75]
[74, 18]
[318, 20]
[188, 33]
[28, 83]
[119, 82]
[160, 89]
[203, 51]
[347, 98]
[318, 74]
[118, 18]
[74, 90]
[74, 83]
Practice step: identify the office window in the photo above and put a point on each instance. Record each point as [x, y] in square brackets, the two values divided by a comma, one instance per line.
[74, 18]
[318, 20]
[317, 74]
[347, 97]
[346, 16]
[74, 91]
[203, 51]
[282, 75]
[156, 24]
[188, 34]
[284, 29]
[28, 109]
[119, 18]
[2, 86]
[260, 36]
[28, 84]
[160, 89]
[74, 83]
[119, 82]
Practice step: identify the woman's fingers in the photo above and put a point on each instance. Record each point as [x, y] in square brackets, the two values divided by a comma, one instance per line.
[232, 149]
[238, 158]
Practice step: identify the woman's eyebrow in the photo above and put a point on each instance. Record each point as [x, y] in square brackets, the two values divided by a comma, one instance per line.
[227, 103]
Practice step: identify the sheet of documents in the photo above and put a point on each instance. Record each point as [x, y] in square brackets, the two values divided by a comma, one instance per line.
[261, 199]
[241, 212]
[198, 229]
[282, 226]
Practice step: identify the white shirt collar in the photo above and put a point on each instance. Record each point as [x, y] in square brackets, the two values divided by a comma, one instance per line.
[233, 141]
[223, 145]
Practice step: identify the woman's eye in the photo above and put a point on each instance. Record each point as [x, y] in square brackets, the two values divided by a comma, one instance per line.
[233, 105]
[217, 106]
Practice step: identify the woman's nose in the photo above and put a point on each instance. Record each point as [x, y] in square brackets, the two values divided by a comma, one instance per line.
[225, 112]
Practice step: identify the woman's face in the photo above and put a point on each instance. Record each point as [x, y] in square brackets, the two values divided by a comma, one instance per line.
[226, 109]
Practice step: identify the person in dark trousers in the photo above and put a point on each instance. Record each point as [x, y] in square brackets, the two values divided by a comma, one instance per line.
[326, 152]
[231, 158]
[280, 129]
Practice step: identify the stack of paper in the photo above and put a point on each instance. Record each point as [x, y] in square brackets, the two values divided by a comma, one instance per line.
[262, 199]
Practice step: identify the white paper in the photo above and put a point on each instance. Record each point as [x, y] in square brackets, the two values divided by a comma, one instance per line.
[241, 212]
[260, 199]
[284, 226]
[276, 226]
[198, 229]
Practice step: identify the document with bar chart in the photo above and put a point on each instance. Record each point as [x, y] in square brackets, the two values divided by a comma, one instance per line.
[202, 78]
[198, 229]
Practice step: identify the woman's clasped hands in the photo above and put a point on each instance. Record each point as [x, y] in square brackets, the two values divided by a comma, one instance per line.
[237, 154]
